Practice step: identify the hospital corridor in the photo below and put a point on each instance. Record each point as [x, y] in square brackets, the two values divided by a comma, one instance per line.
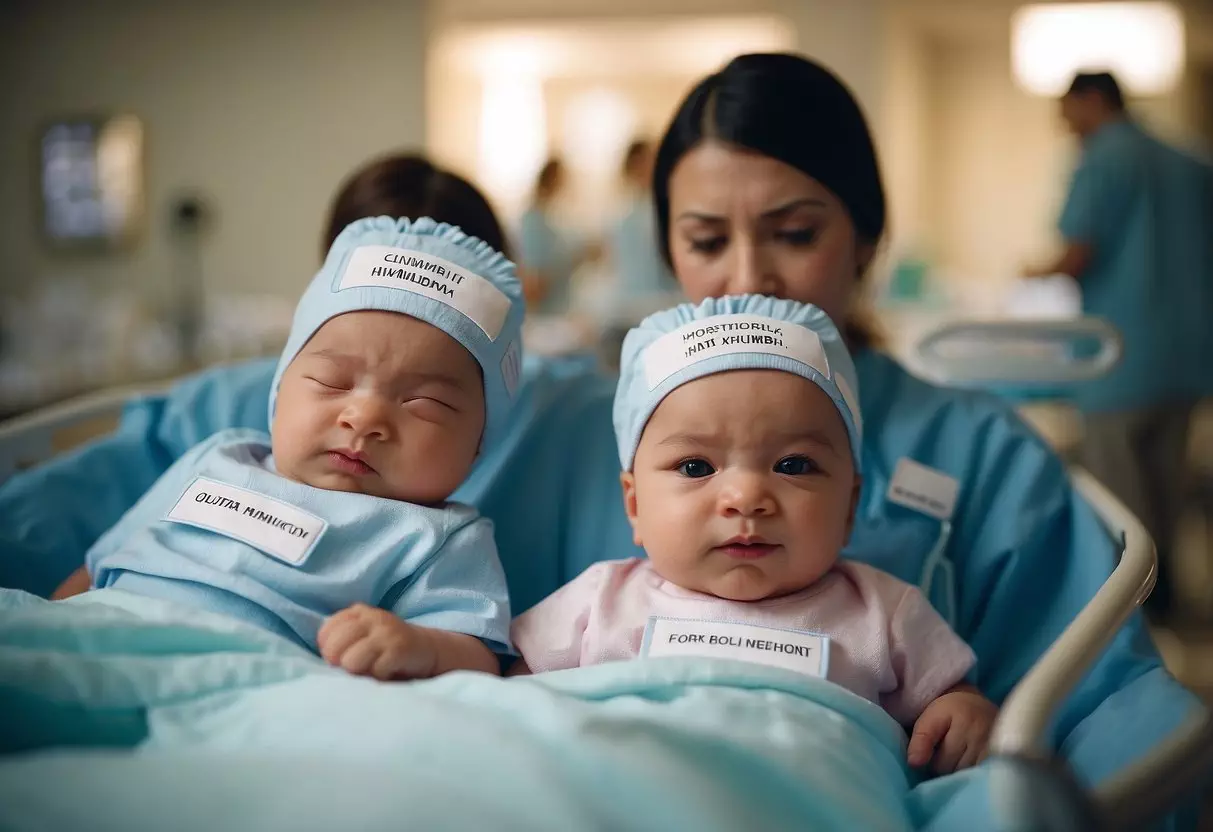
[338, 342]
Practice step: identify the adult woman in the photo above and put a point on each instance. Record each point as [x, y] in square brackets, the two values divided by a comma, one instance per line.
[766, 181]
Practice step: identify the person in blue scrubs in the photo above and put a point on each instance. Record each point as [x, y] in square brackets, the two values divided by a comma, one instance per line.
[640, 270]
[1136, 227]
[548, 255]
[766, 182]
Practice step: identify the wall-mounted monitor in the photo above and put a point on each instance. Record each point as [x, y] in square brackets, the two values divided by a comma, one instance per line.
[91, 181]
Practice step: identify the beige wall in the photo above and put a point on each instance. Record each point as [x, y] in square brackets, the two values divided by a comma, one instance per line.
[647, 64]
[840, 33]
[262, 107]
[996, 165]
[650, 52]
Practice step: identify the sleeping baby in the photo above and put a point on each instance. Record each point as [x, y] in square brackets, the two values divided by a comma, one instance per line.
[739, 436]
[334, 530]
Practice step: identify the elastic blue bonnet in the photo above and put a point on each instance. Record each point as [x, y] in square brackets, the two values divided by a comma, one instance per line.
[430, 271]
[741, 332]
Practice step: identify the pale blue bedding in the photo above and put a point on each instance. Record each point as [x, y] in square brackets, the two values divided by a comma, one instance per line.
[183, 720]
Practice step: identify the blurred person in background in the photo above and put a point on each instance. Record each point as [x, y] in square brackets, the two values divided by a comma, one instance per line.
[1136, 227]
[640, 272]
[548, 254]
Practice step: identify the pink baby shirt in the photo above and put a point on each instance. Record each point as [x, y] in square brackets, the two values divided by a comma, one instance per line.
[883, 639]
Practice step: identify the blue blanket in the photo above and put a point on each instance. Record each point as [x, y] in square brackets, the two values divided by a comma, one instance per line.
[133, 714]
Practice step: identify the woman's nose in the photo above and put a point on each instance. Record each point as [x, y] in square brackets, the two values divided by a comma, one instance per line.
[751, 272]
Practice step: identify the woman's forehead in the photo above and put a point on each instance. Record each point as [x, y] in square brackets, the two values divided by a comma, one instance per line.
[717, 173]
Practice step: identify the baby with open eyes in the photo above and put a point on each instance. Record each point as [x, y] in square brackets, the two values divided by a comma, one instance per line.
[739, 436]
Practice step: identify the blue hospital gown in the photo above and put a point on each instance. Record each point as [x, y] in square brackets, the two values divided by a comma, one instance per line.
[222, 531]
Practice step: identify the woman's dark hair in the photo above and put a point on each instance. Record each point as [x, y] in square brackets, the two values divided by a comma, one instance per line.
[409, 185]
[790, 109]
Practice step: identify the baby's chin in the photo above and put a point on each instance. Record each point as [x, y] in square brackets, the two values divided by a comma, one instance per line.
[743, 585]
[372, 485]
[748, 583]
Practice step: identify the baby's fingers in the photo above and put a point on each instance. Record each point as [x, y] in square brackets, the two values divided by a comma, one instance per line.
[930, 728]
[974, 753]
[338, 634]
[361, 657]
[977, 747]
[950, 752]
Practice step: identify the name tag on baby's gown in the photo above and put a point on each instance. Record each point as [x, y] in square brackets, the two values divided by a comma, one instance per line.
[277, 528]
[807, 653]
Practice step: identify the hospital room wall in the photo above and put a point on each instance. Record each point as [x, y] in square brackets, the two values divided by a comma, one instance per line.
[680, 45]
[262, 112]
[841, 34]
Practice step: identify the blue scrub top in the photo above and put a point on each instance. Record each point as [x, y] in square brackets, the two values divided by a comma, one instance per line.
[640, 270]
[1024, 552]
[548, 251]
[1147, 211]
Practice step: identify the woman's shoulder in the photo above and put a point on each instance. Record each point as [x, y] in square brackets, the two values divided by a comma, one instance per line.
[906, 415]
[951, 454]
[220, 397]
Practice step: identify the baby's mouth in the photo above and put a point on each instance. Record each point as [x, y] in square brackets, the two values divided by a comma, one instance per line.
[747, 547]
[349, 462]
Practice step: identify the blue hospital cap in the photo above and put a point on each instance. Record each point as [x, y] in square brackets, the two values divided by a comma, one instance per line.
[741, 332]
[430, 271]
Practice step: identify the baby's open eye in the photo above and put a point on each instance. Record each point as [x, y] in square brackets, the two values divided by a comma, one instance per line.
[695, 468]
[794, 466]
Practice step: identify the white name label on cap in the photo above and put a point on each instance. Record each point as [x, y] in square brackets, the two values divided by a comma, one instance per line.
[724, 334]
[434, 277]
[924, 489]
[279, 529]
[807, 653]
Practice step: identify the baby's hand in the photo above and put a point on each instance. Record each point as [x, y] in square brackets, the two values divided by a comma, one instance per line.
[953, 731]
[368, 641]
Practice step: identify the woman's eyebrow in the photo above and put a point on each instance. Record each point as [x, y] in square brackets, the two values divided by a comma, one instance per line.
[701, 216]
[788, 207]
[772, 213]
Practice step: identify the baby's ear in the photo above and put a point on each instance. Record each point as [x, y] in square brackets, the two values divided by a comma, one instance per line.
[628, 481]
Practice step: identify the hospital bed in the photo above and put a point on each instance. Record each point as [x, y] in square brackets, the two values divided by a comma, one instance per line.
[1037, 361]
[1030, 788]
